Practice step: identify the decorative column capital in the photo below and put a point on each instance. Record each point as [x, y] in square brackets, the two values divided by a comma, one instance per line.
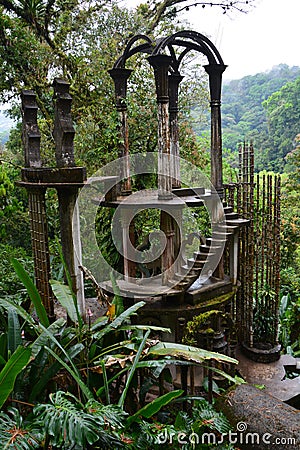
[215, 72]
[120, 77]
[161, 64]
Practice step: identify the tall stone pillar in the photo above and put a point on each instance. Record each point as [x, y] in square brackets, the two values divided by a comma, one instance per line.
[36, 198]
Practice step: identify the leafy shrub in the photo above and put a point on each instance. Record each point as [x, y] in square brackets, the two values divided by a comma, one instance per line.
[10, 283]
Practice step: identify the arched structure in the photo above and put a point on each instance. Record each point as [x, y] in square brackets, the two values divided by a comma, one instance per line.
[166, 56]
[180, 279]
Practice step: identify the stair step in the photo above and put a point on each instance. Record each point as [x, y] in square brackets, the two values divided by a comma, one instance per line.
[228, 228]
[221, 235]
[185, 192]
[200, 256]
[193, 201]
[192, 263]
[227, 209]
[210, 241]
[179, 286]
[191, 270]
[185, 276]
[208, 248]
[231, 216]
[237, 222]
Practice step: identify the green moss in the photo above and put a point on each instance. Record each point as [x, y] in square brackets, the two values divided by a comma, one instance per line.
[200, 324]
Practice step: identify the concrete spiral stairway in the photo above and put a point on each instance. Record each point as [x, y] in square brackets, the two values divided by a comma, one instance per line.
[210, 250]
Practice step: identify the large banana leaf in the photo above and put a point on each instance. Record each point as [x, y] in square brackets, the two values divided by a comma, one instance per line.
[32, 292]
[74, 372]
[118, 321]
[145, 327]
[43, 338]
[75, 375]
[156, 365]
[70, 285]
[3, 348]
[14, 338]
[153, 407]
[16, 363]
[64, 296]
[193, 354]
[5, 303]
[132, 369]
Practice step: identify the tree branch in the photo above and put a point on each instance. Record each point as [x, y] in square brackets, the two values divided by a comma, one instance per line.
[161, 9]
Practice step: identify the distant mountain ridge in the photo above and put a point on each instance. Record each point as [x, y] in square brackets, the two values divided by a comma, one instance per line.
[244, 117]
[238, 96]
[264, 108]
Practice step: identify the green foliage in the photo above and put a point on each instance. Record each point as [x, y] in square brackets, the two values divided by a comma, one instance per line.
[14, 224]
[189, 353]
[153, 407]
[65, 298]
[67, 422]
[184, 431]
[264, 322]
[206, 417]
[290, 226]
[81, 44]
[14, 339]
[15, 434]
[290, 235]
[105, 241]
[283, 116]
[289, 323]
[133, 369]
[32, 292]
[258, 108]
[199, 325]
[10, 284]
[15, 364]
[88, 360]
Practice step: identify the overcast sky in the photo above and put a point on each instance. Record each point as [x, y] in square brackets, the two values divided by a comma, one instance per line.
[250, 43]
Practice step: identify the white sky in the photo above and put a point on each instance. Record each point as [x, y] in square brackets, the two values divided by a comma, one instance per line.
[250, 43]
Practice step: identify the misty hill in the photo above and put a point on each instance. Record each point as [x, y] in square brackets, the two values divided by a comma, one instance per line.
[264, 108]
[5, 125]
[246, 114]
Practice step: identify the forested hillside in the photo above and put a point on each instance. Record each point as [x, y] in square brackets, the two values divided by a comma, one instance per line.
[264, 108]
[5, 124]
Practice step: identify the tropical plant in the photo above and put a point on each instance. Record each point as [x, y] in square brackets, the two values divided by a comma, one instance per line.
[95, 364]
[10, 284]
[17, 434]
[264, 321]
[289, 320]
[180, 430]
[70, 424]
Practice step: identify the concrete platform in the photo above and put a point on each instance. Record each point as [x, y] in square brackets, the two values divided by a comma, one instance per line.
[271, 375]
